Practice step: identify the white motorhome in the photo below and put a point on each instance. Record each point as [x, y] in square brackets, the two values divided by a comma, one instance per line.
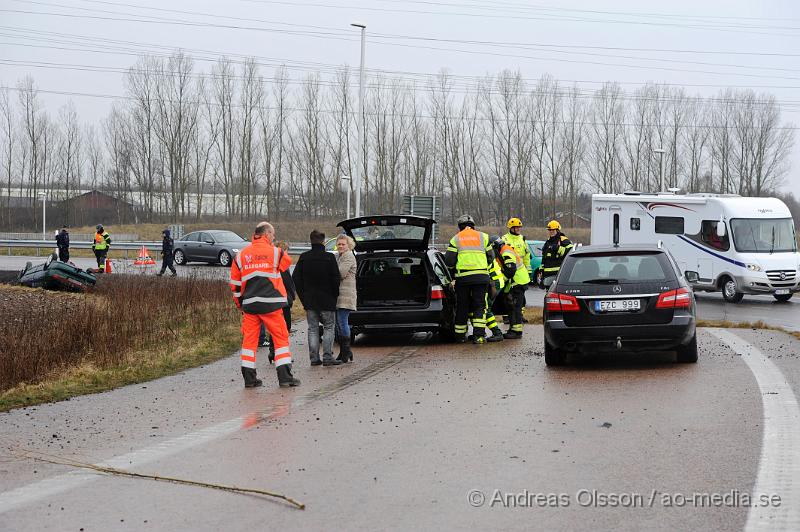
[737, 245]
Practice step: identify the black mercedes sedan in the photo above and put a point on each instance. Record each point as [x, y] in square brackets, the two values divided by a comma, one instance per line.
[622, 298]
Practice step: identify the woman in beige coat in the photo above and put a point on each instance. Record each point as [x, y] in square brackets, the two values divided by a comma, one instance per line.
[347, 294]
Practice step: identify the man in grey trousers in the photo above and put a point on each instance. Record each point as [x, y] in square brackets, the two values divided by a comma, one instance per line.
[316, 279]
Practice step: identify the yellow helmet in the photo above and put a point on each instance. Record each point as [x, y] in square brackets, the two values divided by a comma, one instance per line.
[514, 222]
[554, 225]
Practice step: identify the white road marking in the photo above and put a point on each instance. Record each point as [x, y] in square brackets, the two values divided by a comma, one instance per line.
[779, 466]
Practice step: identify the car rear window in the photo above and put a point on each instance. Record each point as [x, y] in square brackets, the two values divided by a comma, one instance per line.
[636, 267]
[386, 232]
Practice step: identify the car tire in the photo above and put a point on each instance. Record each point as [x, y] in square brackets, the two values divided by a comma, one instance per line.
[783, 298]
[554, 356]
[730, 291]
[224, 258]
[180, 258]
[687, 354]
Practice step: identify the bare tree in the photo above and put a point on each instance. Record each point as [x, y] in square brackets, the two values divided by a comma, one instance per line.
[9, 149]
[607, 118]
[70, 154]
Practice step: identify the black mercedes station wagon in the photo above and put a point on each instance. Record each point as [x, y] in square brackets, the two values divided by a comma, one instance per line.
[622, 298]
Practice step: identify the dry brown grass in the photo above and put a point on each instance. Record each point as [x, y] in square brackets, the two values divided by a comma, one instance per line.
[128, 329]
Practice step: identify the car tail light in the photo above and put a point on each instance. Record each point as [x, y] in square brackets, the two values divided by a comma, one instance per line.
[680, 298]
[561, 302]
[437, 292]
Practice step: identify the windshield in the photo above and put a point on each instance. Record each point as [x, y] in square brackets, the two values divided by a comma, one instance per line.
[386, 232]
[617, 268]
[763, 235]
[227, 236]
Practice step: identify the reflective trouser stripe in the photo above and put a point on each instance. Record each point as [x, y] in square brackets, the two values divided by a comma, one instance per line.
[248, 357]
[517, 327]
[461, 329]
[491, 322]
[283, 356]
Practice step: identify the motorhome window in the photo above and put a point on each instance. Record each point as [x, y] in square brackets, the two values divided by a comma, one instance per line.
[763, 235]
[636, 224]
[708, 232]
[669, 225]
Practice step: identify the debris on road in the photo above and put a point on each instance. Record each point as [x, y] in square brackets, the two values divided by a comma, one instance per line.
[51, 459]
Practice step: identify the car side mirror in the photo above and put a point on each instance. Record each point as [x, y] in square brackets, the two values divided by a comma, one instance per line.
[721, 228]
[691, 276]
[548, 281]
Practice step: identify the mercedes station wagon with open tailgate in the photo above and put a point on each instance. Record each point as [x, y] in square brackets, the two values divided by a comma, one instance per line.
[622, 298]
[403, 285]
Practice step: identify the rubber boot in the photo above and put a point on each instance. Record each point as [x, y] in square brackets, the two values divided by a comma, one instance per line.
[285, 377]
[512, 335]
[478, 340]
[460, 338]
[497, 335]
[250, 379]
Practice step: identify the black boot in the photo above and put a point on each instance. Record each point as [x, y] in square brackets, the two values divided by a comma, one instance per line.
[250, 379]
[345, 354]
[512, 335]
[497, 335]
[285, 377]
[328, 360]
[271, 355]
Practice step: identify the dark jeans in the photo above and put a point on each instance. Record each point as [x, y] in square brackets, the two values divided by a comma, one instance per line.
[63, 254]
[343, 322]
[470, 298]
[314, 318]
[100, 255]
[167, 262]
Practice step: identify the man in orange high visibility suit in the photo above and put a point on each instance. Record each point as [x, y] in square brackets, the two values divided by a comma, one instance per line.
[259, 293]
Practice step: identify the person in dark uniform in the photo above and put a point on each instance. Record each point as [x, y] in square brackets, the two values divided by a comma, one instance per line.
[62, 242]
[167, 246]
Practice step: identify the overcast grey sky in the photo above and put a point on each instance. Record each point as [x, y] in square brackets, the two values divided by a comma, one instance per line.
[704, 46]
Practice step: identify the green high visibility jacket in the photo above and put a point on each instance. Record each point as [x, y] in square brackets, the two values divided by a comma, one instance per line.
[521, 247]
[472, 252]
[101, 241]
[513, 262]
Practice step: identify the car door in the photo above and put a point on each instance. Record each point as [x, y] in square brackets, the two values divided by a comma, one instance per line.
[188, 245]
[206, 247]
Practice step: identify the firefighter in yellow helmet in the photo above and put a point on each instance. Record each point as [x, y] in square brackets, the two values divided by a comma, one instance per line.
[515, 239]
[469, 255]
[554, 250]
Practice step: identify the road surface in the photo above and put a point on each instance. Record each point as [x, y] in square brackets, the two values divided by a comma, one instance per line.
[420, 435]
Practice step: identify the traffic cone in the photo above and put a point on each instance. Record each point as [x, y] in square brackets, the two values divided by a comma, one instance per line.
[108, 265]
[144, 258]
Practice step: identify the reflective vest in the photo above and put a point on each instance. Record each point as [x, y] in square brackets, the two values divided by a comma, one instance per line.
[496, 273]
[520, 246]
[510, 255]
[553, 253]
[471, 246]
[101, 241]
[256, 280]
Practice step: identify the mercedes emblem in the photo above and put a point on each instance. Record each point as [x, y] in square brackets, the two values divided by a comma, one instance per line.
[783, 276]
[617, 289]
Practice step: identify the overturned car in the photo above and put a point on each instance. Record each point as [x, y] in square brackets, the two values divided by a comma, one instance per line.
[55, 275]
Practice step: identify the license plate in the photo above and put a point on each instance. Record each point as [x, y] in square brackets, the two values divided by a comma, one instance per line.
[617, 305]
[781, 292]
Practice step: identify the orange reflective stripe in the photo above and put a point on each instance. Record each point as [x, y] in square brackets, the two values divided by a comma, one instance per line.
[249, 358]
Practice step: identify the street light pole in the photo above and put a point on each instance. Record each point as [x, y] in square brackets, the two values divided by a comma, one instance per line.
[346, 179]
[360, 158]
[660, 152]
[44, 214]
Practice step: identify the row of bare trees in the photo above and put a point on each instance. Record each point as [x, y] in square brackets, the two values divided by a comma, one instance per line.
[234, 143]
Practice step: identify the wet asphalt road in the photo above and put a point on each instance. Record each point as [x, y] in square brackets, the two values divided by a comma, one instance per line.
[413, 435]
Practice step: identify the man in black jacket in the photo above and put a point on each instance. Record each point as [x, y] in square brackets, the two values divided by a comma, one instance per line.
[316, 279]
[167, 248]
[62, 242]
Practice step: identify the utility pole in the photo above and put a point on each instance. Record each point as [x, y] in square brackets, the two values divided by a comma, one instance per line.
[360, 165]
[44, 214]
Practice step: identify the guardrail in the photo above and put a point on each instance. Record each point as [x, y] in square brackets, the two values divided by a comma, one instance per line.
[122, 237]
[294, 247]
